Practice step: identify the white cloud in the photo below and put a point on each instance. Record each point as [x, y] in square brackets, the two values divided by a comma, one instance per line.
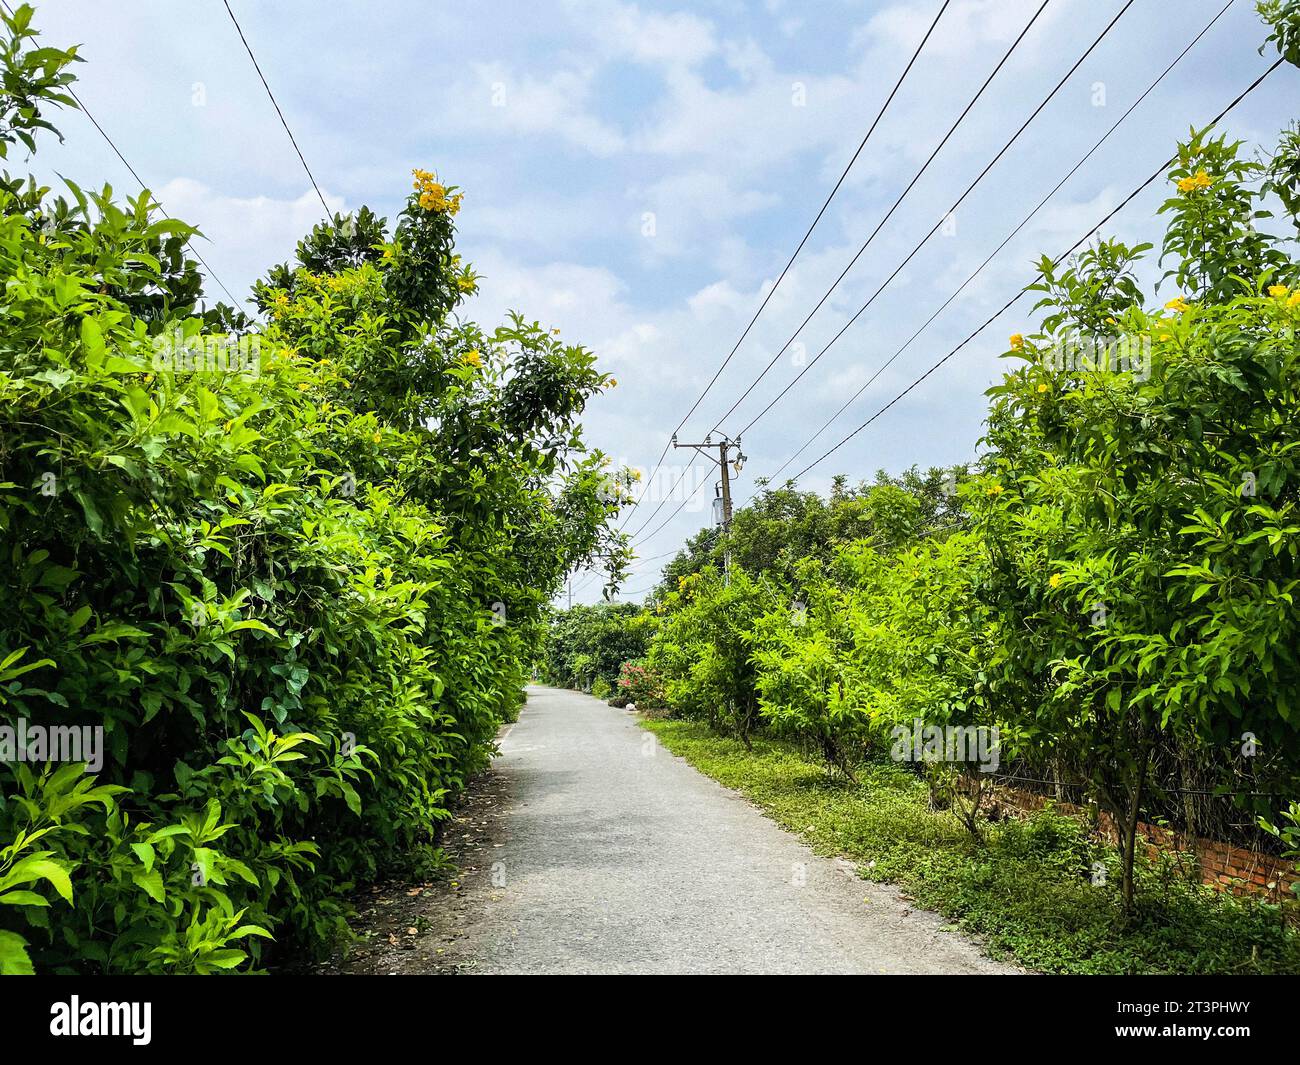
[625, 31]
[499, 100]
[966, 26]
[690, 208]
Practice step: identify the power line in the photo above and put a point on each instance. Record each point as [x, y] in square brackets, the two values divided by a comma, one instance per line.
[682, 504]
[276, 105]
[667, 496]
[639, 534]
[144, 188]
[1010, 236]
[888, 214]
[664, 524]
[1006, 306]
[804, 240]
[639, 591]
[961, 199]
[652, 558]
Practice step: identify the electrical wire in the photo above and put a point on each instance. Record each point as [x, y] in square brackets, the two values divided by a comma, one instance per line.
[139, 181]
[888, 214]
[1126, 201]
[804, 240]
[275, 103]
[946, 215]
[1010, 236]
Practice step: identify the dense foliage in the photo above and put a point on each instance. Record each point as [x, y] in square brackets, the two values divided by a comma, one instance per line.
[586, 645]
[294, 569]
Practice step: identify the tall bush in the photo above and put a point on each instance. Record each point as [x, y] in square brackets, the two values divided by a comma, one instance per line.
[297, 591]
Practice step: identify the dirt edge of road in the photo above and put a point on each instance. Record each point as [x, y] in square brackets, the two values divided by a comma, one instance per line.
[431, 927]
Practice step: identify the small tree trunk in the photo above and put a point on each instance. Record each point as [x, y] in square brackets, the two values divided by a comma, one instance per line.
[744, 719]
[1128, 844]
[970, 813]
[1190, 817]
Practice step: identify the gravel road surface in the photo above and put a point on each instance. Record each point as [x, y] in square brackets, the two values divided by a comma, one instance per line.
[607, 854]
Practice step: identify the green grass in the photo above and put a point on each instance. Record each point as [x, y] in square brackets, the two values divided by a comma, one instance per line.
[1025, 889]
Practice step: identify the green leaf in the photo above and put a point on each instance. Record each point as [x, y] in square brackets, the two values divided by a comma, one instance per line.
[14, 960]
[224, 959]
[23, 898]
[150, 883]
[92, 340]
[145, 853]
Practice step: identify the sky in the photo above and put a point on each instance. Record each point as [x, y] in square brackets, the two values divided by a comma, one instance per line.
[637, 175]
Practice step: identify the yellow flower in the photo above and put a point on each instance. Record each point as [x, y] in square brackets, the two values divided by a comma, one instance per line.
[612, 383]
[1055, 581]
[465, 284]
[1163, 336]
[1294, 300]
[1017, 342]
[1199, 180]
[376, 438]
[995, 490]
[472, 358]
[1042, 388]
[1278, 291]
[302, 387]
[555, 332]
[433, 194]
[1179, 304]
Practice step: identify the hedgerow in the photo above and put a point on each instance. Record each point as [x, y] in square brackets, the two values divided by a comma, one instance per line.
[295, 568]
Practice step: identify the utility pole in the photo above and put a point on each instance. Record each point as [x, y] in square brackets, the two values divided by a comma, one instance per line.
[570, 582]
[726, 466]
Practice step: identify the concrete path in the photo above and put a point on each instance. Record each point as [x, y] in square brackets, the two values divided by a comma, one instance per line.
[608, 854]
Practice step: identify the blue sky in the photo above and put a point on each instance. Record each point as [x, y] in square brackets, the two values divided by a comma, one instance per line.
[569, 123]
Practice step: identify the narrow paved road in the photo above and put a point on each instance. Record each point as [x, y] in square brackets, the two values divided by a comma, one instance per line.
[612, 855]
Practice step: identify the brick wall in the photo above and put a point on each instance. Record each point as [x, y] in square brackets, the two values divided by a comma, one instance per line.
[1222, 865]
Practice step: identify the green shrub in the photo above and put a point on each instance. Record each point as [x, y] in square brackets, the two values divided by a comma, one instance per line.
[589, 643]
